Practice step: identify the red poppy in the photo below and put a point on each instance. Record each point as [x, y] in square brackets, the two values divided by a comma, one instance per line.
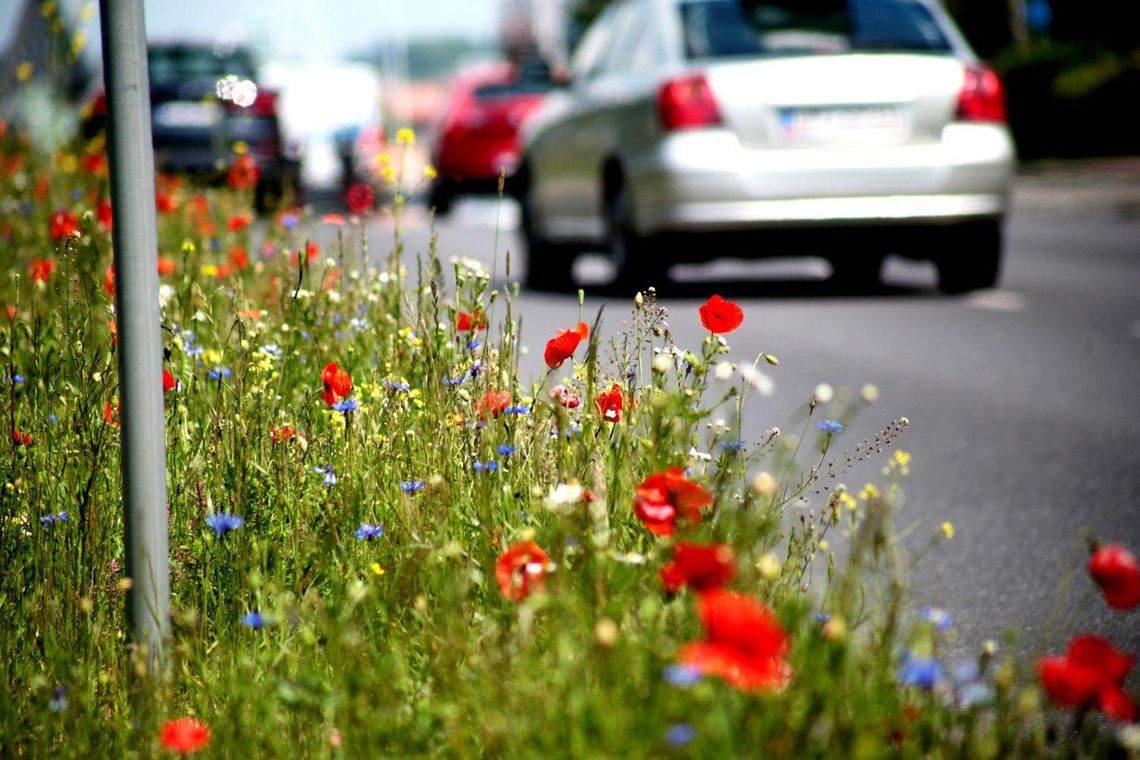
[701, 568]
[21, 439]
[63, 224]
[237, 257]
[312, 251]
[169, 382]
[359, 198]
[95, 163]
[103, 214]
[565, 396]
[611, 403]
[521, 570]
[281, 434]
[337, 383]
[184, 735]
[664, 496]
[165, 266]
[467, 321]
[1091, 673]
[11, 311]
[40, 269]
[111, 413]
[493, 403]
[239, 222]
[562, 346]
[243, 173]
[1116, 571]
[109, 281]
[721, 316]
[744, 643]
[165, 202]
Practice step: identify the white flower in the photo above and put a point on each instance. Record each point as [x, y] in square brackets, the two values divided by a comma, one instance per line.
[165, 293]
[824, 393]
[562, 496]
[758, 380]
[662, 363]
[699, 455]
[723, 370]
[870, 393]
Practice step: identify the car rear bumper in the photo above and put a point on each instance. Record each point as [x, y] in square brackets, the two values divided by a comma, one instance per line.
[708, 181]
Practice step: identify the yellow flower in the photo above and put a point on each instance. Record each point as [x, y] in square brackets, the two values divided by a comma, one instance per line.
[389, 174]
[869, 492]
[823, 545]
[188, 246]
[948, 529]
[377, 569]
[845, 499]
[405, 136]
[241, 147]
[24, 71]
[430, 172]
[209, 270]
[902, 458]
[78, 42]
[383, 159]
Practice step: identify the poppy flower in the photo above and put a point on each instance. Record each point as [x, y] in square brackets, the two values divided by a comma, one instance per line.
[238, 223]
[109, 281]
[1090, 674]
[701, 568]
[243, 173]
[281, 434]
[164, 202]
[721, 316]
[184, 735]
[21, 439]
[493, 403]
[1115, 570]
[744, 643]
[169, 383]
[468, 321]
[95, 163]
[337, 383]
[111, 413]
[359, 198]
[664, 496]
[165, 266]
[610, 403]
[562, 346]
[103, 214]
[565, 396]
[40, 269]
[11, 311]
[63, 224]
[521, 570]
[237, 257]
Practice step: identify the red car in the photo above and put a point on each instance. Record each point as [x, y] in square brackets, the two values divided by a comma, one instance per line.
[478, 135]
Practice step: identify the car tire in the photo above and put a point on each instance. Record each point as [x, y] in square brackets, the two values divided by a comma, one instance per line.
[548, 265]
[634, 267]
[970, 257]
[440, 198]
[857, 270]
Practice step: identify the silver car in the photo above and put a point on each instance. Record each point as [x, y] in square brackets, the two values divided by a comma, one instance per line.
[847, 129]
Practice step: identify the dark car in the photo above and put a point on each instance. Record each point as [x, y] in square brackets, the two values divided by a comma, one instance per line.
[203, 104]
[478, 138]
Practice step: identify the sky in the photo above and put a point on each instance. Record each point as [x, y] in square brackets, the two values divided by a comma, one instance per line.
[297, 28]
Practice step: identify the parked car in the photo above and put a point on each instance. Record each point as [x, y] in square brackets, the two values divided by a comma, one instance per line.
[195, 126]
[477, 138]
[701, 128]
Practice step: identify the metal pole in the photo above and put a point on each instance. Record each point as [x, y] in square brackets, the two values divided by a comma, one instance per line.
[138, 317]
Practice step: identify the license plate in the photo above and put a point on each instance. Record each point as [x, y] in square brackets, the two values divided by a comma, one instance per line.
[185, 114]
[856, 125]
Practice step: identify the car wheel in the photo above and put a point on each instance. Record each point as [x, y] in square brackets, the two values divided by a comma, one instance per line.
[857, 270]
[440, 197]
[970, 257]
[548, 265]
[635, 269]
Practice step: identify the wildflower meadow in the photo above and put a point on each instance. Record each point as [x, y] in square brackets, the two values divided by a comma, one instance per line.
[387, 540]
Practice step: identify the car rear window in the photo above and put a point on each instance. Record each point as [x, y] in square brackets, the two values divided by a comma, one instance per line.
[731, 28]
[180, 64]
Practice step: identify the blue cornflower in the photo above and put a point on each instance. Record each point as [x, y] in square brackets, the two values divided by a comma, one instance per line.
[272, 349]
[346, 405]
[965, 671]
[831, 426]
[402, 387]
[923, 672]
[505, 450]
[223, 522]
[368, 531]
[733, 445]
[53, 419]
[329, 472]
[473, 344]
[14, 380]
[253, 620]
[489, 466]
[454, 382]
[821, 618]
[289, 221]
[62, 517]
[574, 429]
[680, 734]
[217, 373]
[518, 409]
[411, 486]
[46, 521]
[58, 702]
[475, 368]
[937, 617]
[682, 675]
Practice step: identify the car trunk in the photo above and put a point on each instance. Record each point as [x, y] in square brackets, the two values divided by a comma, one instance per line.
[838, 101]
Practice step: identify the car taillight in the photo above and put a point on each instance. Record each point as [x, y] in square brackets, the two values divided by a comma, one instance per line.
[982, 97]
[687, 103]
[265, 104]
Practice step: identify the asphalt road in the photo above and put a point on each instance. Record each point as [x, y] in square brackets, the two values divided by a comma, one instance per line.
[1024, 401]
